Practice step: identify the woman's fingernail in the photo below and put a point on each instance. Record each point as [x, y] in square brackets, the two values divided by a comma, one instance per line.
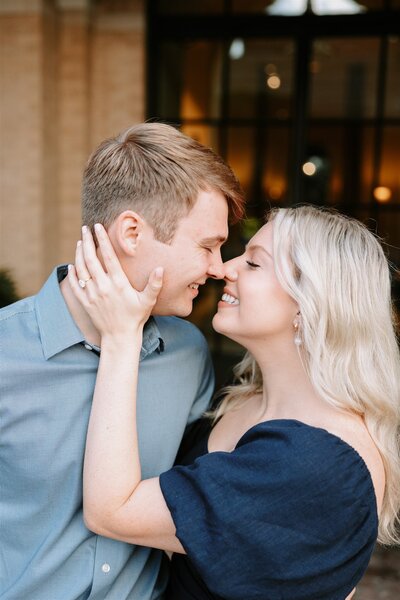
[84, 229]
[97, 227]
[79, 242]
[69, 267]
[159, 272]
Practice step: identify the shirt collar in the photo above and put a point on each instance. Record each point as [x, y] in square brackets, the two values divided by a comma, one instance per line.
[58, 331]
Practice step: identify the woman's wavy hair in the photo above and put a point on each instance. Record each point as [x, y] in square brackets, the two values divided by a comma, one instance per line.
[337, 272]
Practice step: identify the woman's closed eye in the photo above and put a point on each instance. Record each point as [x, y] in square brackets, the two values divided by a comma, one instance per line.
[251, 264]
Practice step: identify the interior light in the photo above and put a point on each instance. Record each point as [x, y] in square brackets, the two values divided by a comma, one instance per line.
[274, 82]
[287, 8]
[291, 8]
[275, 192]
[382, 193]
[336, 7]
[237, 49]
[270, 69]
[309, 168]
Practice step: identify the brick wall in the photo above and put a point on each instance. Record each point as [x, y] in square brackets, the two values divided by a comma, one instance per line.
[71, 74]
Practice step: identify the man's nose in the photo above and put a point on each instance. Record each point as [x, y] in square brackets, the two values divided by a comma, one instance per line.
[216, 269]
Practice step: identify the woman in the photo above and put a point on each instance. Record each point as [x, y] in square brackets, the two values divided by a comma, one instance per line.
[298, 472]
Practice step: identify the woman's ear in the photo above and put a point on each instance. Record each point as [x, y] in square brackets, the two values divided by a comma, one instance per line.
[126, 231]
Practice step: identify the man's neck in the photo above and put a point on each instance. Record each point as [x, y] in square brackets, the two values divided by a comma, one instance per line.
[79, 315]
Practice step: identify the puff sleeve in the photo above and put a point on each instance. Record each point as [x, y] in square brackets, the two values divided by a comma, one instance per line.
[289, 514]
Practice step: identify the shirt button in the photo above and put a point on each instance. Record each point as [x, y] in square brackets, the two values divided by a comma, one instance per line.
[105, 568]
[88, 347]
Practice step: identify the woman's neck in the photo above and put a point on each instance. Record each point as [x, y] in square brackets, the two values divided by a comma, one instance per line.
[287, 390]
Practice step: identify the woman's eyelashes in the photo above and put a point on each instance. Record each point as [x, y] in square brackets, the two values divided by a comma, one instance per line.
[251, 264]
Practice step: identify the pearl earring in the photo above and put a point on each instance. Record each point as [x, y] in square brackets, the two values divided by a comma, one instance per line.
[297, 338]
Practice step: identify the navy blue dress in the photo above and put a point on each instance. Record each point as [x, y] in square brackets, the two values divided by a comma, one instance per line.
[289, 514]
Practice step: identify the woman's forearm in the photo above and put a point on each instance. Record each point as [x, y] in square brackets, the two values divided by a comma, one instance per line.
[112, 466]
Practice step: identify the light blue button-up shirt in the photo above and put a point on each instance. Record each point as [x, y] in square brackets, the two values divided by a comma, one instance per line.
[47, 377]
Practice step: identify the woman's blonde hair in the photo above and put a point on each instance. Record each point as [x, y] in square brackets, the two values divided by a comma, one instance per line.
[337, 272]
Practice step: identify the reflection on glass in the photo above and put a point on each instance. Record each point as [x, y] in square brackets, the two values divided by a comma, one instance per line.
[208, 136]
[389, 174]
[275, 166]
[339, 165]
[190, 76]
[259, 157]
[366, 161]
[388, 227]
[392, 108]
[261, 80]
[241, 156]
[344, 77]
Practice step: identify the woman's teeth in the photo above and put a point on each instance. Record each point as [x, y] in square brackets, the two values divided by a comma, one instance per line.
[229, 299]
[194, 286]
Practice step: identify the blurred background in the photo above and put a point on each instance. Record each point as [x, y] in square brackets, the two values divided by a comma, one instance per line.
[302, 98]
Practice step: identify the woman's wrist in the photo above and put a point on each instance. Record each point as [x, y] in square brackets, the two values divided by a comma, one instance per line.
[129, 339]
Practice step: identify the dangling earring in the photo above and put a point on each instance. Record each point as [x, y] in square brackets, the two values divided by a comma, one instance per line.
[297, 337]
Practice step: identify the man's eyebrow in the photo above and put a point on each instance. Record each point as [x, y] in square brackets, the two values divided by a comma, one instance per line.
[211, 241]
[257, 247]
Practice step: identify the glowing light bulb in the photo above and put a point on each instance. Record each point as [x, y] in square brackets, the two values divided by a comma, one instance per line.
[382, 193]
[309, 168]
[237, 49]
[274, 82]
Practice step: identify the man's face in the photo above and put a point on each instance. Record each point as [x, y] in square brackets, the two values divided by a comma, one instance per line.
[193, 255]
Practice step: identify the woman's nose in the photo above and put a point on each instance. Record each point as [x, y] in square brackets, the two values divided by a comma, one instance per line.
[230, 271]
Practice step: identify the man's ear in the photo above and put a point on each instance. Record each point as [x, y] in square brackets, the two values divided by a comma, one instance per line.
[126, 232]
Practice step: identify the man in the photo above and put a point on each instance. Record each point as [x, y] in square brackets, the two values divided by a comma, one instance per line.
[165, 201]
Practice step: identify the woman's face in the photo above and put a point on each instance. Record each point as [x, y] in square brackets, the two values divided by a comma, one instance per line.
[254, 306]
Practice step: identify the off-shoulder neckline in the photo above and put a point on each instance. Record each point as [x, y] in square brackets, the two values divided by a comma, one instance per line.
[314, 428]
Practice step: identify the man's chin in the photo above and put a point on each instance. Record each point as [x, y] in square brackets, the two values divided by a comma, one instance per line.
[179, 310]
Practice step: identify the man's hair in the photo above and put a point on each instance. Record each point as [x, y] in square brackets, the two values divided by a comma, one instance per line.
[157, 171]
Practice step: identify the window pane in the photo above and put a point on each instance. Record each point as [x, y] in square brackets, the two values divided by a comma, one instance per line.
[241, 156]
[275, 165]
[388, 228]
[393, 78]
[251, 6]
[259, 157]
[344, 77]
[190, 75]
[261, 79]
[208, 136]
[389, 175]
[338, 165]
[189, 6]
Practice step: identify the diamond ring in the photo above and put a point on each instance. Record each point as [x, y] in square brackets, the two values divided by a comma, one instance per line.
[83, 282]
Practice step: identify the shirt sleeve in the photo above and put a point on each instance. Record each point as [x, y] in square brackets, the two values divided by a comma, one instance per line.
[271, 515]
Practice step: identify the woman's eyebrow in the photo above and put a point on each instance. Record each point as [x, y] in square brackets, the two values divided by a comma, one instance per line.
[258, 247]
